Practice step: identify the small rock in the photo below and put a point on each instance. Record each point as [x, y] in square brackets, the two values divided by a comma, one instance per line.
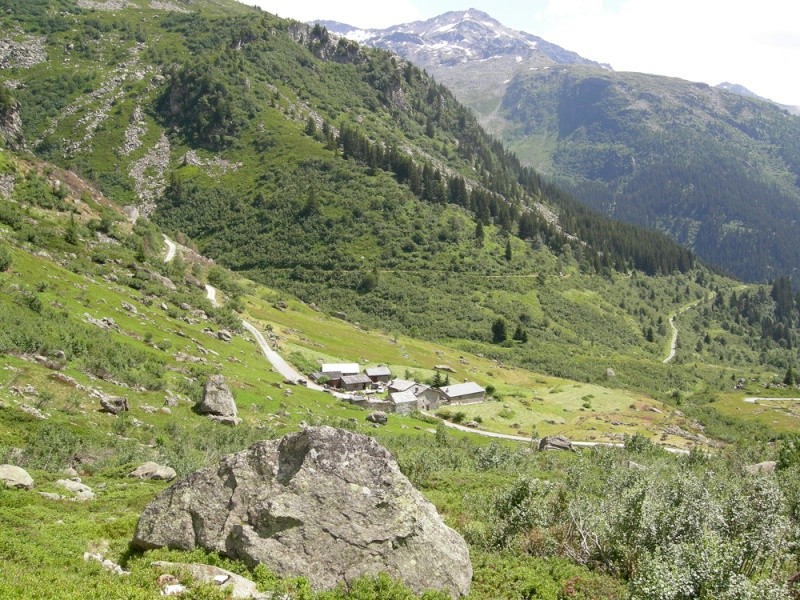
[610, 373]
[130, 308]
[32, 411]
[65, 379]
[378, 417]
[472, 424]
[636, 466]
[51, 496]
[226, 419]
[113, 404]
[15, 477]
[82, 491]
[166, 579]
[151, 470]
[70, 472]
[224, 335]
[173, 590]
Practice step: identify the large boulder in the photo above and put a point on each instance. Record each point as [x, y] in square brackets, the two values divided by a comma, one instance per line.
[324, 503]
[217, 398]
[555, 442]
[15, 477]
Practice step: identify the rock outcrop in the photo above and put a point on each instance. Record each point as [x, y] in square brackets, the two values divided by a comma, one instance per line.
[217, 398]
[324, 503]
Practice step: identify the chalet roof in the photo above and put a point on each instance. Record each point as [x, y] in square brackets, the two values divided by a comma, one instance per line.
[462, 389]
[355, 379]
[402, 398]
[419, 388]
[378, 372]
[332, 375]
[401, 385]
[343, 368]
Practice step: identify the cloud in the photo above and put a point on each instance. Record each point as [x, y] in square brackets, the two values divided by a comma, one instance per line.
[360, 13]
[710, 40]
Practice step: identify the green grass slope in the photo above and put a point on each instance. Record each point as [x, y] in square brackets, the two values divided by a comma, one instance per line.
[67, 255]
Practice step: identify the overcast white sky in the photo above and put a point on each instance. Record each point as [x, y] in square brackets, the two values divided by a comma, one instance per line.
[755, 44]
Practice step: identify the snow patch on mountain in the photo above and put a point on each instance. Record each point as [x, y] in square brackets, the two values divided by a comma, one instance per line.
[458, 37]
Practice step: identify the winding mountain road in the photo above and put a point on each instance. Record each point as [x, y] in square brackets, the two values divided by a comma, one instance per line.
[673, 348]
[278, 363]
[519, 438]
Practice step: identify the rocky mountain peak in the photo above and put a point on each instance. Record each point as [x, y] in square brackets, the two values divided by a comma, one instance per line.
[458, 37]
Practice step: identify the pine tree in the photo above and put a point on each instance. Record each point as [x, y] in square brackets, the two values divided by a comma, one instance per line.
[499, 331]
[520, 334]
[479, 235]
[789, 377]
[508, 249]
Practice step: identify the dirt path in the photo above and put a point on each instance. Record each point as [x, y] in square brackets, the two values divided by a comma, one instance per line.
[278, 363]
[673, 347]
[171, 248]
[754, 400]
[519, 438]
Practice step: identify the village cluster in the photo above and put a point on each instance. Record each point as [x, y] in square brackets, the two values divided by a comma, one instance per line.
[404, 396]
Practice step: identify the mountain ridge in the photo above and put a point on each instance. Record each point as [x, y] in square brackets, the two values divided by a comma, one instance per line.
[595, 132]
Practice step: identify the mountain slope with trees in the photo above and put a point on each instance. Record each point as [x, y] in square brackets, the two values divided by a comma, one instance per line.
[715, 169]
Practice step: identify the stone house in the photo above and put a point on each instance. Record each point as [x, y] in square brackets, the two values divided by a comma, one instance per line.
[378, 374]
[403, 402]
[354, 383]
[463, 393]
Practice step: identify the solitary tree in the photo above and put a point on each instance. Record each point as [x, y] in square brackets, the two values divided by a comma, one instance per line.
[508, 249]
[499, 331]
[520, 335]
[789, 377]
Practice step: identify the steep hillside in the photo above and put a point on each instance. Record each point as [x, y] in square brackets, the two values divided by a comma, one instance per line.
[341, 174]
[93, 313]
[715, 169]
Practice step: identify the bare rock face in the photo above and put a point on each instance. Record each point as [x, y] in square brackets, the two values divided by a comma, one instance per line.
[324, 503]
[217, 398]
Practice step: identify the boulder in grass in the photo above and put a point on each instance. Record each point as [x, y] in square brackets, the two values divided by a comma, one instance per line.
[15, 477]
[217, 398]
[327, 504]
[555, 442]
[151, 470]
[378, 417]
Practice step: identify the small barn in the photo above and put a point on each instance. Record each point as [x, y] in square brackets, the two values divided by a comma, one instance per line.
[403, 402]
[354, 383]
[331, 378]
[428, 398]
[378, 374]
[463, 393]
[341, 368]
